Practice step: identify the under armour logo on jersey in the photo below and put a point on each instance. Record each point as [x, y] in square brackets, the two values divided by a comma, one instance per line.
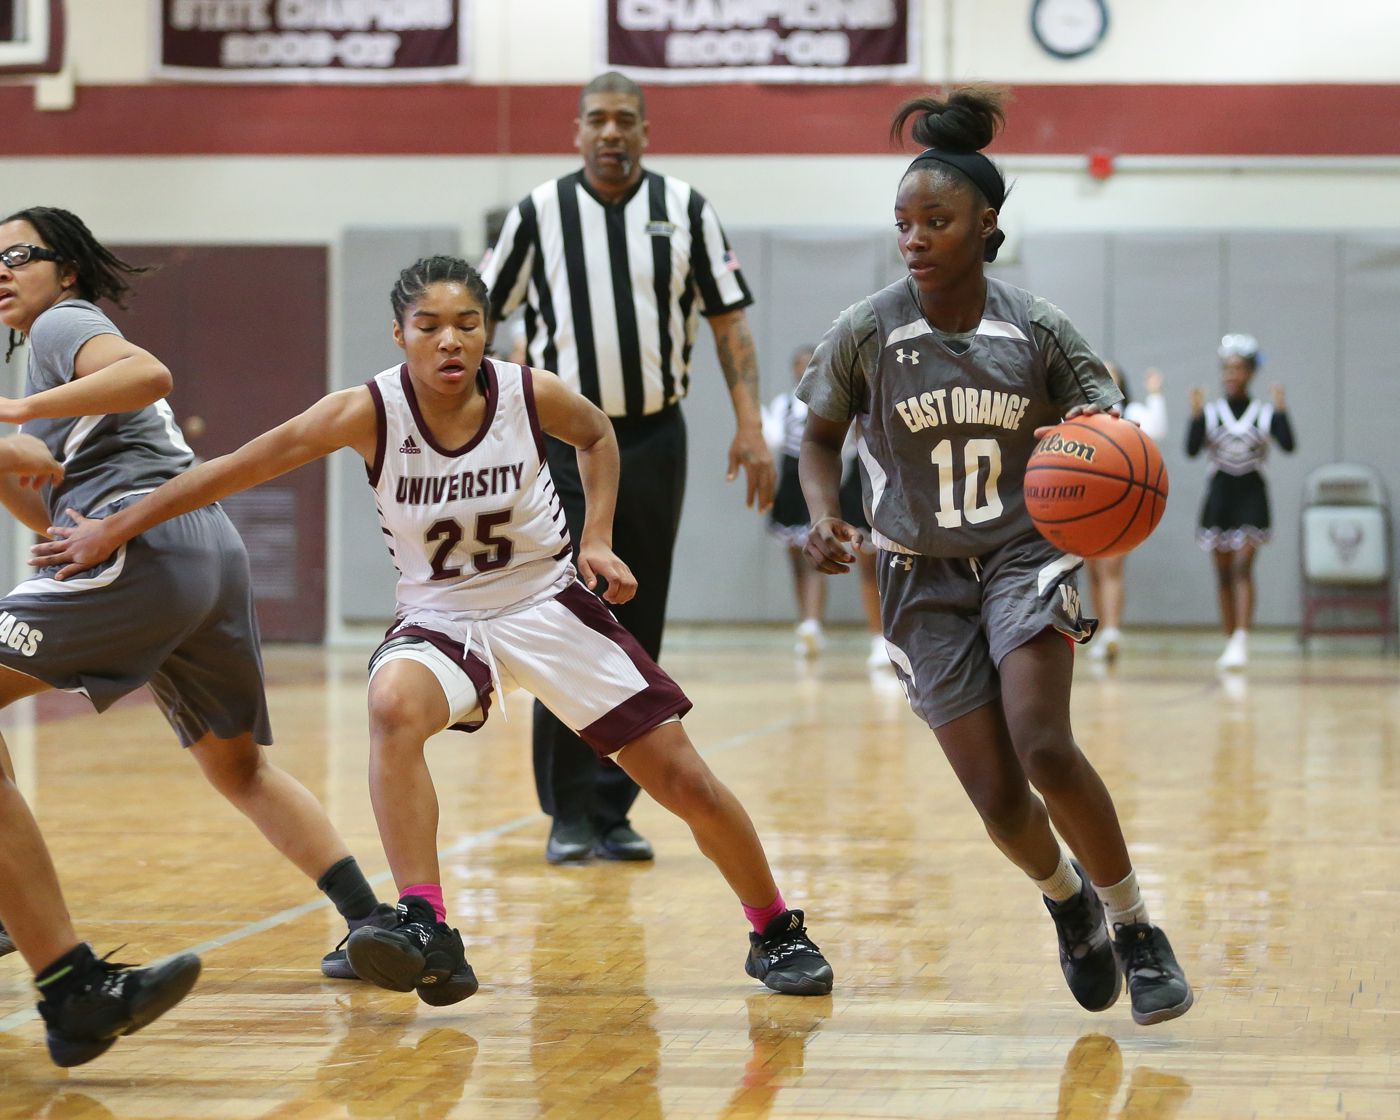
[907, 561]
[901, 355]
[410, 448]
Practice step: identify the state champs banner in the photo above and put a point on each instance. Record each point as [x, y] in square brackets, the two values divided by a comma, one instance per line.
[760, 40]
[363, 41]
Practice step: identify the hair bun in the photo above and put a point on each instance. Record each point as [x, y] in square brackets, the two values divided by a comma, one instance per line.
[966, 120]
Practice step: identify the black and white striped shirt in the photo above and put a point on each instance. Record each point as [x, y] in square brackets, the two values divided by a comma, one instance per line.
[595, 276]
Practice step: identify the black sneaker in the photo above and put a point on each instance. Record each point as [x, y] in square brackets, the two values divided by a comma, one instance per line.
[623, 842]
[786, 959]
[115, 999]
[1086, 952]
[335, 964]
[7, 946]
[1156, 983]
[417, 953]
[570, 841]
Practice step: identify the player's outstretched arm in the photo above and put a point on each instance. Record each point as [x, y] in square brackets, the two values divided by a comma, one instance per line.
[110, 375]
[25, 465]
[344, 419]
[580, 423]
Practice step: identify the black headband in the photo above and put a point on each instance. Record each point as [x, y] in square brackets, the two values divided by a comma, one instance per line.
[984, 176]
[977, 167]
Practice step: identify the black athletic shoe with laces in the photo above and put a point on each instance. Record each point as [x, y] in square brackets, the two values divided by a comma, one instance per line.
[417, 953]
[113, 1000]
[786, 959]
[1156, 983]
[335, 965]
[1086, 953]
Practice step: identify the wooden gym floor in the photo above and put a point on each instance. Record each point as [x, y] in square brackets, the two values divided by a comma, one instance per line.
[1263, 813]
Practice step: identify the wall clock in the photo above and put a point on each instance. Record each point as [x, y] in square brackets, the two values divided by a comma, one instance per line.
[1069, 28]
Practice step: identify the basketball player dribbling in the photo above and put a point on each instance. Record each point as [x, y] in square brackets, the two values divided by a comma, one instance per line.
[487, 599]
[952, 376]
[173, 612]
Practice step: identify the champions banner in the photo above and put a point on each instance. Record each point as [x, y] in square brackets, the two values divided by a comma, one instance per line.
[31, 36]
[364, 41]
[761, 40]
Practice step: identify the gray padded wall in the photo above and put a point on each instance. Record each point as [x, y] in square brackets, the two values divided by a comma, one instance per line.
[1283, 289]
[1323, 305]
[727, 567]
[1165, 296]
[1368, 363]
[368, 263]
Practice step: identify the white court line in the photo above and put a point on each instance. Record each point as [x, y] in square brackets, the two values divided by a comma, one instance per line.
[465, 844]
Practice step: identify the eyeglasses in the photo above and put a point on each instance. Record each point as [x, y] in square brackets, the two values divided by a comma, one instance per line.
[17, 255]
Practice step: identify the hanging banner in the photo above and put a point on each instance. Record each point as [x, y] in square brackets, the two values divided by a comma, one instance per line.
[31, 36]
[760, 40]
[364, 41]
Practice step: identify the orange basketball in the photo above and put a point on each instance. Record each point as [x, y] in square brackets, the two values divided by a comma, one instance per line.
[1096, 486]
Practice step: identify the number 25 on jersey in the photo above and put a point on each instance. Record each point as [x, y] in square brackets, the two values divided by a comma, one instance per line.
[449, 533]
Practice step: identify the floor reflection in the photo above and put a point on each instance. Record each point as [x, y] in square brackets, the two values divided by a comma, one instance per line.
[592, 1009]
[1092, 1075]
[365, 1071]
[778, 1031]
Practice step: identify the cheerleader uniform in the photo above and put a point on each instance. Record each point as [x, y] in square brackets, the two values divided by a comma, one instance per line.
[1235, 434]
[784, 421]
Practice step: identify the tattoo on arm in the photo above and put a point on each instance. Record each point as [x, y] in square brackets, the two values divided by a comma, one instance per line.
[737, 356]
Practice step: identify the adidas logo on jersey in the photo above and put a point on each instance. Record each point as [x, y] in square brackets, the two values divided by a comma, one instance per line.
[410, 448]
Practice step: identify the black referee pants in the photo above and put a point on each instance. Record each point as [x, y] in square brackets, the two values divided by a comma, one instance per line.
[572, 782]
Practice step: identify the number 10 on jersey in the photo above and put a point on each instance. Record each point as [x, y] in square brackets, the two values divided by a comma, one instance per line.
[974, 512]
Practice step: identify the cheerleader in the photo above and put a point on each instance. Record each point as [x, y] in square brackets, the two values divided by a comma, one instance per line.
[783, 422]
[1235, 432]
[1106, 573]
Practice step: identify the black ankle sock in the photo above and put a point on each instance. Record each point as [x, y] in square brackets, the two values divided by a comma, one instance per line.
[65, 974]
[346, 886]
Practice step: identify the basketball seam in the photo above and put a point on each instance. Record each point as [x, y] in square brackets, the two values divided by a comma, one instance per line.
[1068, 469]
[1083, 422]
[1128, 488]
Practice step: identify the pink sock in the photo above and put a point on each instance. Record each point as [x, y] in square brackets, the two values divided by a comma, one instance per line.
[759, 917]
[430, 892]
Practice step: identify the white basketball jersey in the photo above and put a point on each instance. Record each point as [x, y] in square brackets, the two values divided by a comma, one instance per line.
[476, 529]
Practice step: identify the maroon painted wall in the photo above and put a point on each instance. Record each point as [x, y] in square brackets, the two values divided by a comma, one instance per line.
[243, 330]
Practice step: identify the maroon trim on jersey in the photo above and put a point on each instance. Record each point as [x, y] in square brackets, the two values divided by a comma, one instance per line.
[487, 375]
[634, 717]
[567, 550]
[476, 669]
[381, 435]
[527, 381]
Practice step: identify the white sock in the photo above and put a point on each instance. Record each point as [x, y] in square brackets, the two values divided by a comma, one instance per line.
[1123, 901]
[1063, 884]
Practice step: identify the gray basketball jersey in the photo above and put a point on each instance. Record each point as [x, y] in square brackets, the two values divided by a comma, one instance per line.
[103, 456]
[947, 435]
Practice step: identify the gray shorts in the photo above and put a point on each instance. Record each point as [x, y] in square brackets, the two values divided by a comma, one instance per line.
[172, 609]
[948, 623]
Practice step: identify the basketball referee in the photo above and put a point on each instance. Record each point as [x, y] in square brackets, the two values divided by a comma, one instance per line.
[613, 265]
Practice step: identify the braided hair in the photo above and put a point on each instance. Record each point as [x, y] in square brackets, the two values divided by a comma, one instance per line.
[101, 274]
[426, 271]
